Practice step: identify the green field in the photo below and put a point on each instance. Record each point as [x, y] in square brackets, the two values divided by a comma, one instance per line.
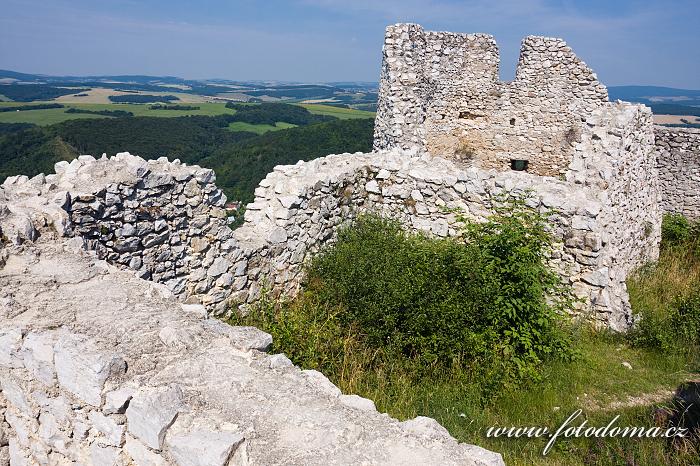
[259, 129]
[56, 115]
[52, 116]
[338, 112]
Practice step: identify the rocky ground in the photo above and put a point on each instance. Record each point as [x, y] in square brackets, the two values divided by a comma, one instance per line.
[101, 367]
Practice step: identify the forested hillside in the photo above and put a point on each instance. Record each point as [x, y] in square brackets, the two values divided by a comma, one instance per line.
[240, 159]
[240, 167]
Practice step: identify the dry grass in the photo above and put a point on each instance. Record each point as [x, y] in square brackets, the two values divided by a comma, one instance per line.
[658, 285]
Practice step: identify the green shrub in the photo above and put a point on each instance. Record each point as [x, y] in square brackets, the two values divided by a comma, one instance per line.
[488, 302]
[677, 229]
[676, 328]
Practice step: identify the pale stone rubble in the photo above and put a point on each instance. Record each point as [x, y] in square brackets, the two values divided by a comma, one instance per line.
[100, 367]
[679, 169]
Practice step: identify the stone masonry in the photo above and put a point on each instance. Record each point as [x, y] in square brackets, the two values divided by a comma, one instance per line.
[679, 169]
[440, 91]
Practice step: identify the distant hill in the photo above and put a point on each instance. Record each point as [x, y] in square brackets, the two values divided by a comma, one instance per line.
[27, 87]
[631, 92]
[662, 100]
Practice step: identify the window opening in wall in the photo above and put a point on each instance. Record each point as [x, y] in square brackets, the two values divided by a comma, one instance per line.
[512, 122]
[519, 165]
[467, 115]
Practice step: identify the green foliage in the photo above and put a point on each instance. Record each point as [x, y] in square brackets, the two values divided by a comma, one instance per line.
[240, 166]
[488, 305]
[6, 128]
[676, 329]
[29, 92]
[31, 151]
[21, 108]
[676, 230]
[270, 114]
[240, 159]
[110, 113]
[189, 138]
[467, 398]
[141, 98]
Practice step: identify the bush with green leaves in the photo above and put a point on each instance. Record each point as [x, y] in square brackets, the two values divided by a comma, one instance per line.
[674, 329]
[487, 302]
[677, 230]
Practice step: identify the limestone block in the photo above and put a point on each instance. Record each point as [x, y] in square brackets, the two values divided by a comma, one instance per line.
[357, 402]
[151, 412]
[82, 368]
[117, 400]
[277, 361]
[141, 455]
[243, 338]
[10, 345]
[218, 267]
[321, 383]
[15, 395]
[104, 455]
[51, 433]
[112, 433]
[18, 455]
[203, 447]
[426, 427]
[37, 353]
[196, 310]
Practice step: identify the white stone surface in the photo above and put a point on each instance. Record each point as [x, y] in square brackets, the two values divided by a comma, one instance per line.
[150, 413]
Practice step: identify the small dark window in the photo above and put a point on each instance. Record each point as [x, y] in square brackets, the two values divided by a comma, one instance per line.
[518, 165]
[467, 115]
[512, 122]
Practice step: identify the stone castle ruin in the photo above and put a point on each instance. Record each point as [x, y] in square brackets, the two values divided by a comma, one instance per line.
[110, 268]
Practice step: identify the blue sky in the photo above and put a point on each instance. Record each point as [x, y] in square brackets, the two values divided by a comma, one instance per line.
[624, 41]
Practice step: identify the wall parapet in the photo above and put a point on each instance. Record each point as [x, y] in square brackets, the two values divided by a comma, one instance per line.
[177, 232]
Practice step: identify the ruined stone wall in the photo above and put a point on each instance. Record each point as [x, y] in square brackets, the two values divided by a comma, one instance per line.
[441, 92]
[679, 169]
[616, 156]
[607, 225]
[164, 220]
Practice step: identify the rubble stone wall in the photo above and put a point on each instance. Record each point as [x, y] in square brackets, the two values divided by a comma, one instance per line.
[679, 169]
[440, 91]
[606, 226]
[164, 220]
